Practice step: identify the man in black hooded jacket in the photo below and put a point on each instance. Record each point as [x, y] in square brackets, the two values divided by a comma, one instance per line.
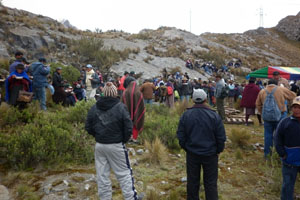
[109, 122]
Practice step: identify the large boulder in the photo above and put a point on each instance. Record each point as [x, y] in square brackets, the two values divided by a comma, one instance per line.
[27, 38]
[290, 26]
[4, 194]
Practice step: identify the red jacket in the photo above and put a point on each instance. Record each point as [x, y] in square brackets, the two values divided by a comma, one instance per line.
[121, 87]
[250, 95]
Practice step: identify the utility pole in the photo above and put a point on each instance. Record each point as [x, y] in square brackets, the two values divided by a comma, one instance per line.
[261, 17]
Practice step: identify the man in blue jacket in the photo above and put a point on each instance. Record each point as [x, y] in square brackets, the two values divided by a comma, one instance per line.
[40, 72]
[202, 135]
[287, 143]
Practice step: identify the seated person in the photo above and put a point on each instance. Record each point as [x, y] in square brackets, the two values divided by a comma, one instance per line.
[18, 80]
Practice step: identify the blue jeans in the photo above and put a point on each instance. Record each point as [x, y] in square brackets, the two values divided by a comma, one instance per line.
[289, 175]
[187, 97]
[269, 129]
[40, 95]
[148, 101]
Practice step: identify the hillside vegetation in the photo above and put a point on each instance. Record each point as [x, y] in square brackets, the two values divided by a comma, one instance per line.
[147, 52]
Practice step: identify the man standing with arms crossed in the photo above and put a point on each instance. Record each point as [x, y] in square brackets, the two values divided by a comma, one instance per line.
[287, 143]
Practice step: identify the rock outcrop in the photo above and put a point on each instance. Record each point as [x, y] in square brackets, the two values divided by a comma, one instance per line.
[290, 26]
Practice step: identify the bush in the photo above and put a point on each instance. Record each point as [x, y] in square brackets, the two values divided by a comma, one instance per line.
[4, 64]
[161, 123]
[69, 73]
[51, 137]
[239, 138]
[97, 54]
[11, 116]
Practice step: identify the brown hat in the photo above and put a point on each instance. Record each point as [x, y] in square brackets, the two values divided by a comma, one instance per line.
[296, 101]
[110, 90]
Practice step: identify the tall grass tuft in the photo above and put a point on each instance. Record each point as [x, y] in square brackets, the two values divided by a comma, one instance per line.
[157, 152]
[240, 138]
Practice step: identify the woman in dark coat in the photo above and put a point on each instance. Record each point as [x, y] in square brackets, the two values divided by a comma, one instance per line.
[17, 81]
[58, 84]
[249, 96]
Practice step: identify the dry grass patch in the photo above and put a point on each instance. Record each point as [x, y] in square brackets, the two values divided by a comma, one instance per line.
[157, 152]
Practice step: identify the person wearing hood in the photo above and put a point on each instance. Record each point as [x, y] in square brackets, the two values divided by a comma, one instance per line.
[17, 81]
[133, 99]
[91, 82]
[249, 97]
[109, 122]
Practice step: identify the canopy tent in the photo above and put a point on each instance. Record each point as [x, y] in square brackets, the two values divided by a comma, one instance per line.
[290, 73]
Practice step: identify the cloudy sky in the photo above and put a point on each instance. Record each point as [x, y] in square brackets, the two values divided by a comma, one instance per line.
[217, 16]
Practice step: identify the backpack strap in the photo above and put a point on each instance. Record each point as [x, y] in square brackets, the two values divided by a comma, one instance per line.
[272, 92]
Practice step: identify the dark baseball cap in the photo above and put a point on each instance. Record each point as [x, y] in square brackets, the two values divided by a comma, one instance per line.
[43, 60]
[276, 73]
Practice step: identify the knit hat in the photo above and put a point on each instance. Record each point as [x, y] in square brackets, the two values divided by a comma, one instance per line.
[110, 90]
[199, 95]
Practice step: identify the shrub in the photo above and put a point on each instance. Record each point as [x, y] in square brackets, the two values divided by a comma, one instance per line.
[4, 64]
[96, 53]
[149, 58]
[157, 151]
[11, 116]
[239, 137]
[51, 137]
[162, 124]
[69, 73]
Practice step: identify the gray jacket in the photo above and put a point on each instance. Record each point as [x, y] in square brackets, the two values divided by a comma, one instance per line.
[219, 86]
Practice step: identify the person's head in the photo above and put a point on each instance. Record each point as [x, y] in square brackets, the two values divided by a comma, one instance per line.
[184, 80]
[24, 61]
[199, 96]
[126, 73]
[89, 67]
[58, 69]
[132, 73]
[98, 71]
[218, 77]
[161, 84]
[204, 83]
[43, 60]
[20, 68]
[128, 80]
[296, 107]
[18, 55]
[252, 80]
[276, 75]
[110, 90]
[273, 81]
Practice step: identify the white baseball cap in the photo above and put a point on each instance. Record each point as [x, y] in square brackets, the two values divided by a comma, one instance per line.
[199, 95]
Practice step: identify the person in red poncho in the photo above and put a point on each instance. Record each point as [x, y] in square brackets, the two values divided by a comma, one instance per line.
[249, 97]
[133, 99]
[121, 87]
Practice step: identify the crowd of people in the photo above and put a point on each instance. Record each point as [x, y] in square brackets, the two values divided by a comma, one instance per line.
[118, 116]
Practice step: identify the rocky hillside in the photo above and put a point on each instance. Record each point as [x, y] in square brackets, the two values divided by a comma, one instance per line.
[290, 26]
[149, 51]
